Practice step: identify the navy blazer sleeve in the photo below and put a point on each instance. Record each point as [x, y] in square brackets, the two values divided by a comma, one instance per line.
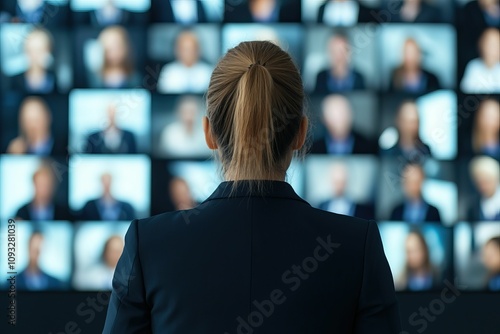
[128, 311]
[377, 305]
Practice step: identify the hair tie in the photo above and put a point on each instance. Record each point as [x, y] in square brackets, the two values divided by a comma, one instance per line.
[256, 63]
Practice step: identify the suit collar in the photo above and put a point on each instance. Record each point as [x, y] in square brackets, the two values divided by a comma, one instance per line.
[246, 188]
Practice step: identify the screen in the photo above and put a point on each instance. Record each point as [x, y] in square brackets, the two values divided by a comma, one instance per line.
[102, 105]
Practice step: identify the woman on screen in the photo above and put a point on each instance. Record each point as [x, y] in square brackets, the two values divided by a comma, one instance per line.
[254, 241]
[409, 145]
[486, 131]
[35, 135]
[482, 75]
[38, 77]
[410, 77]
[419, 274]
[491, 260]
[117, 70]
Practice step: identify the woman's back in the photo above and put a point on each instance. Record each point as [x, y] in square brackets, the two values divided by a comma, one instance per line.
[264, 262]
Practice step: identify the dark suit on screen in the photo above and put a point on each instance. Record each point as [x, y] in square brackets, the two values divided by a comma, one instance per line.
[91, 211]
[363, 211]
[360, 145]
[205, 270]
[59, 212]
[96, 144]
[323, 86]
[431, 215]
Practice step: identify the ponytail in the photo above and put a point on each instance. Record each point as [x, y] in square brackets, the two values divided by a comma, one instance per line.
[253, 125]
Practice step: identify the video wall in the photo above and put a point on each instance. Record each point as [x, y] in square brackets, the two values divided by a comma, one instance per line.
[101, 107]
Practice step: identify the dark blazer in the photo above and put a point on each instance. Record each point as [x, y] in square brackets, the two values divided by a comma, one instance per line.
[364, 14]
[432, 82]
[95, 144]
[475, 213]
[363, 211]
[90, 211]
[19, 83]
[432, 214]
[324, 76]
[361, 145]
[234, 261]
[162, 11]
[51, 15]
[52, 283]
[61, 212]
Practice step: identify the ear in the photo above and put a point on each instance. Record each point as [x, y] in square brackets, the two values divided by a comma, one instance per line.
[302, 134]
[209, 139]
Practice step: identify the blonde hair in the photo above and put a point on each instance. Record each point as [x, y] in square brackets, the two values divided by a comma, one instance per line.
[255, 105]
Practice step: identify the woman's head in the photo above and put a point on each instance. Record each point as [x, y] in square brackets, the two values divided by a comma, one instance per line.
[417, 252]
[489, 46]
[34, 119]
[412, 55]
[116, 46]
[38, 48]
[408, 121]
[113, 248]
[486, 123]
[255, 111]
[491, 255]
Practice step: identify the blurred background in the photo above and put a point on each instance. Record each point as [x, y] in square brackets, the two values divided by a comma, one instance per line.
[101, 106]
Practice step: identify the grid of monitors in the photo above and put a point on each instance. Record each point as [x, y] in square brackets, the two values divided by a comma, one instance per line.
[101, 107]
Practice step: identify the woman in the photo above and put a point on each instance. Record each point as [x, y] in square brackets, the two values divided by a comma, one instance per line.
[409, 146]
[491, 260]
[254, 248]
[419, 273]
[486, 130]
[117, 70]
[410, 77]
[38, 77]
[482, 75]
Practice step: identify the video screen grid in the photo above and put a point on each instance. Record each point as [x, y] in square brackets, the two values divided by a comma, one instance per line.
[102, 102]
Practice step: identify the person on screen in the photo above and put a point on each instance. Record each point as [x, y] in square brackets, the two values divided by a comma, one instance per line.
[340, 202]
[263, 11]
[42, 206]
[187, 74]
[340, 76]
[410, 77]
[33, 277]
[107, 207]
[409, 145]
[117, 70]
[414, 11]
[186, 12]
[485, 173]
[108, 13]
[419, 274]
[36, 12]
[414, 209]
[344, 13]
[491, 260]
[340, 138]
[35, 134]
[112, 139]
[180, 194]
[253, 228]
[100, 275]
[479, 15]
[38, 78]
[183, 137]
[486, 130]
[482, 75]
